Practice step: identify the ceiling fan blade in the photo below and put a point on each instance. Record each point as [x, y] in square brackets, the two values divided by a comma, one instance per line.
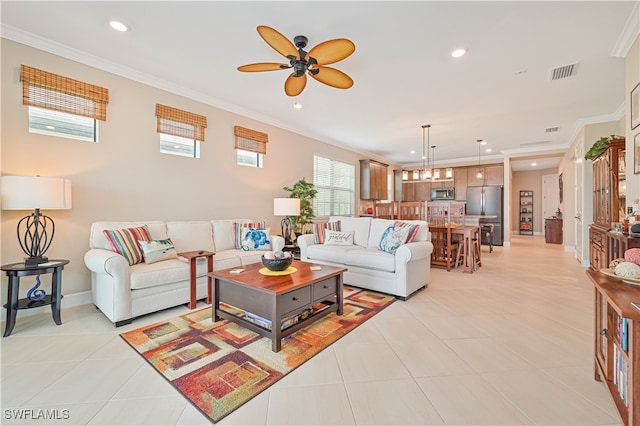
[331, 51]
[333, 77]
[295, 85]
[263, 66]
[280, 43]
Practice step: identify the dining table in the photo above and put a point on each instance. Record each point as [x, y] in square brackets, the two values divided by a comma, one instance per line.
[468, 247]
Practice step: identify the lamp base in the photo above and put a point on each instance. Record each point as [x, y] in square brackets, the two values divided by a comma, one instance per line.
[34, 261]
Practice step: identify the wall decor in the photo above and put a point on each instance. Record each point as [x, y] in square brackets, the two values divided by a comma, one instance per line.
[561, 187]
[635, 107]
[636, 155]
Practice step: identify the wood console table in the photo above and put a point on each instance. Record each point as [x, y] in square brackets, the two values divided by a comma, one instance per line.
[617, 343]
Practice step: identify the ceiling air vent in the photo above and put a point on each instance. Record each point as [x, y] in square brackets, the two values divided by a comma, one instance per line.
[551, 129]
[562, 72]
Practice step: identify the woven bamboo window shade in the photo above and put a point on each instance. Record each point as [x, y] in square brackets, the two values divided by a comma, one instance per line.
[52, 91]
[177, 122]
[251, 140]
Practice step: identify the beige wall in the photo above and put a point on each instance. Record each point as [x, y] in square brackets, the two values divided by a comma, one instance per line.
[632, 78]
[124, 177]
[530, 180]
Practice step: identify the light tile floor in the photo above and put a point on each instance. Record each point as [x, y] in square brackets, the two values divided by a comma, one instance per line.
[511, 344]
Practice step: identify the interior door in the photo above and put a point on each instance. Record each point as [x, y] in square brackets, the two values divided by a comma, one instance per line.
[550, 196]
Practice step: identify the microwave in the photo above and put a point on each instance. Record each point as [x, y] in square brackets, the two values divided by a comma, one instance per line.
[443, 194]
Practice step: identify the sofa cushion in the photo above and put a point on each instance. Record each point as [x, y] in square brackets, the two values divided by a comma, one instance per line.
[97, 239]
[378, 226]
[370, 258]
[191, 235]
[323, 252]
[165, 272]
[393, 237]
[157, 250]
[422, 234]
[338, 238]
[126, 242]
[413, 229]
[319, 230]
[359, 226]
[240, 229]
[255, 239]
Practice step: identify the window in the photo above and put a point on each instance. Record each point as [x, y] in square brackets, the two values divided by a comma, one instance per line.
[251, 146]
[62, 124]
[180, 131]
[61, 106]
[335, 182]
[177, 145]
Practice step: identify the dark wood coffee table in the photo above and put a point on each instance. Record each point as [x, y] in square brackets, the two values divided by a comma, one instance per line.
[275, 298]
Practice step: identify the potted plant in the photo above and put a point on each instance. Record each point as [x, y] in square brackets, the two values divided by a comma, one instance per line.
[600, 146]
[306, 192]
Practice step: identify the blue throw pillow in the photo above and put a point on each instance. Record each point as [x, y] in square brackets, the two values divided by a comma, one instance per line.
[393, 237]
[255, 239]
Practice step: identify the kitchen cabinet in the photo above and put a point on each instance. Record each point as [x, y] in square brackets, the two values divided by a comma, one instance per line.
[472, 176]
[373, 180]
[460, 183]
[494, 174]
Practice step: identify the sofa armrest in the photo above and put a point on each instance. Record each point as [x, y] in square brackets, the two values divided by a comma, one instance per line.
[104, 261]
[277, 242]
[413, 251]
[304, 241]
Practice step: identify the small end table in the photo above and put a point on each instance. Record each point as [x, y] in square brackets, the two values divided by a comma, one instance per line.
[192, 256]
[16, 270]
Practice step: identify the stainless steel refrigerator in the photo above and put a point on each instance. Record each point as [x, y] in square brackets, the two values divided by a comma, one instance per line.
[488, 201]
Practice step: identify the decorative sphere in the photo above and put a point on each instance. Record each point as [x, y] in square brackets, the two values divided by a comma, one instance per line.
[277, 264]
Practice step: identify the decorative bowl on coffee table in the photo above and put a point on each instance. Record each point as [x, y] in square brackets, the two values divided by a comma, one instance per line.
[278, 264]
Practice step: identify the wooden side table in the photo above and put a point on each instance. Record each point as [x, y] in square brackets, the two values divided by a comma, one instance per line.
[192, 256]
[16, 270]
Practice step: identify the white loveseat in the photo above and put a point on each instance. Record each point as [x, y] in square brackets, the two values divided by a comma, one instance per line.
[123, 292]
[399, 274]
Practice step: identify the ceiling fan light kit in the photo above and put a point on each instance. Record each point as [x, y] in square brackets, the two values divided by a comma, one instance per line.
[303, 63]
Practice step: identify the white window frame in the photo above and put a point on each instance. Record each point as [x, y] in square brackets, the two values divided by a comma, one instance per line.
[249, 158]
[182, 147]
[49, 122]
[338, 187]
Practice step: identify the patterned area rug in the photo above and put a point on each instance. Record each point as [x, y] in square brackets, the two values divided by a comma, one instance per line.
[220, 366]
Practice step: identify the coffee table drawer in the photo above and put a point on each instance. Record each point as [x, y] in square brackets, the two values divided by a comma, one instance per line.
[324, 288]
[294, 299]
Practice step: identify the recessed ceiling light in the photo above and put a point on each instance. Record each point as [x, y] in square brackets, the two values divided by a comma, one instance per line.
[487, 150]
[118, 26]
[458, 53]
[533, 164]
[413, 151]
[297, 105]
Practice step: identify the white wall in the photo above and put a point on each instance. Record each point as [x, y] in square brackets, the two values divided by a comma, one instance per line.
[124, 177]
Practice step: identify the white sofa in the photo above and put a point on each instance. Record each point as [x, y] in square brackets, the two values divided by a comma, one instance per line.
[123, 292]
[399, 274]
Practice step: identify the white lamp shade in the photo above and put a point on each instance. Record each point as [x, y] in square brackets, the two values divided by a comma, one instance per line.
[286, 207]
[35, 192]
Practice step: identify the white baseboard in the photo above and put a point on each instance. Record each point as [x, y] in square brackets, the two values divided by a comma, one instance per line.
[75, 299]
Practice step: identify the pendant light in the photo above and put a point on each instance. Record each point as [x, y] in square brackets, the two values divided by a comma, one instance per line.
[448, 173]
[426, 172]
[436, 172]
[479, 174]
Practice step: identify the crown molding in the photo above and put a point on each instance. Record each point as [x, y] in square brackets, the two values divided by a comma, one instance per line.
[628, 35]
[615, 116]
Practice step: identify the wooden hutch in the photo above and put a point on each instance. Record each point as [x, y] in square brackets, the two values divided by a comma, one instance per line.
[609, 202]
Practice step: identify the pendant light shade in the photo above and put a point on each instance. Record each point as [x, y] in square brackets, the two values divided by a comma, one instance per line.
[426, 172]
[479, 174]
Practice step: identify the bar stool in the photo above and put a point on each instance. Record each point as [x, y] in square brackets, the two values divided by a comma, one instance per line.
[487, 231]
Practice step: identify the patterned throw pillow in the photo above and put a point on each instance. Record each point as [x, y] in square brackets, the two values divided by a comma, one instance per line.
[338, 238]
[393, 237]
[157, 250]
[239, 226]
[255, 239]
[318, 230]
[412, 233]
[125, 242]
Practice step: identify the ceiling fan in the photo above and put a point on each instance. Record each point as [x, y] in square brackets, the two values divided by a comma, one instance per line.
[314, 62]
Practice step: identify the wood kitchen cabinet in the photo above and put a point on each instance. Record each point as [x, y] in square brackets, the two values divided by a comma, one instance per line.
[609, 202]
[373, 180]
[460, 183]
[494, 174]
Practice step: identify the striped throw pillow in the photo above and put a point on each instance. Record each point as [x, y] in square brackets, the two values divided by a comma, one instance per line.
[239, 226]
[412, 232]
[318, 230]
[125, 242]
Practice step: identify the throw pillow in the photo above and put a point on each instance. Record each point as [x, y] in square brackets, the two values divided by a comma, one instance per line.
[393, 237]
[413, 231]
[255, 239]
[239, 226]
[338, 238]
[157, 250]
[318, 230]
[125, 242]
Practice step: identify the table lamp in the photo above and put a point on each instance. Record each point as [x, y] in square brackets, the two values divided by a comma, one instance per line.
[286, 207]
[35, 232]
